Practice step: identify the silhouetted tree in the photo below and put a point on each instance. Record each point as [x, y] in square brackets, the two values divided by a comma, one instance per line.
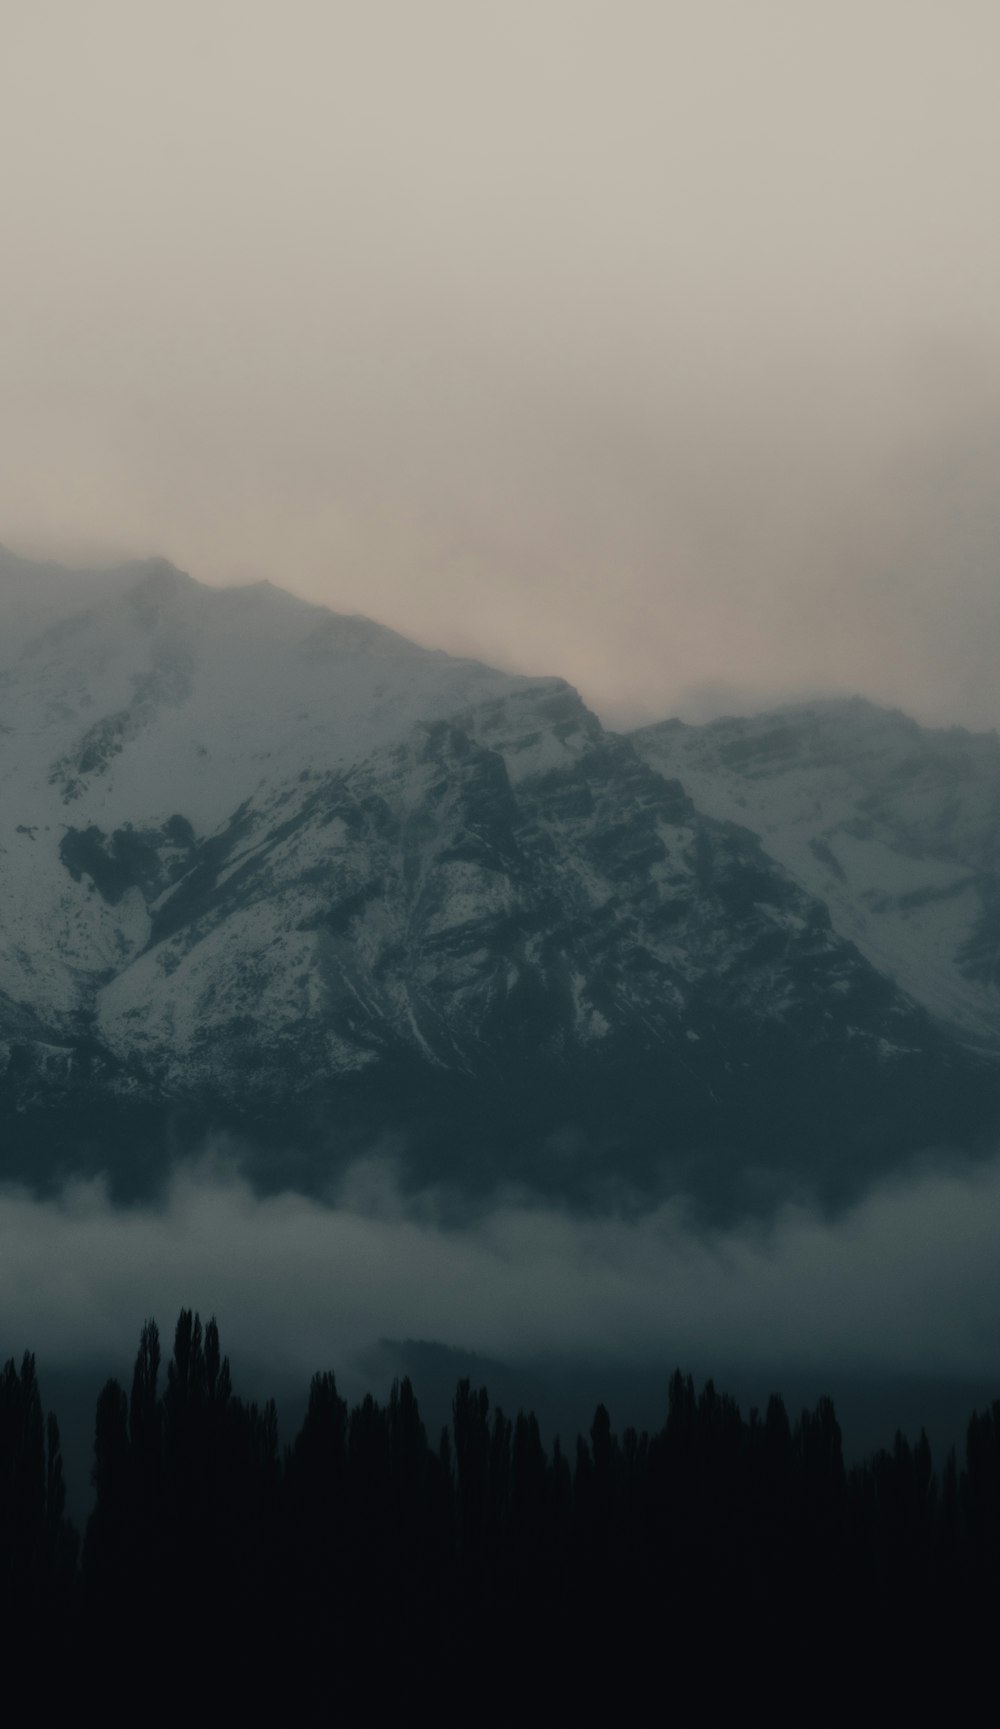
[369, 1554]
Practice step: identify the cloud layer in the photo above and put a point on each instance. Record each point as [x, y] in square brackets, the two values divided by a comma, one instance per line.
[656, 346]
[905, 1283]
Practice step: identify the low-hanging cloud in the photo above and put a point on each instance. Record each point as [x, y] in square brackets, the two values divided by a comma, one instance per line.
[656, 347]
[907, 1281]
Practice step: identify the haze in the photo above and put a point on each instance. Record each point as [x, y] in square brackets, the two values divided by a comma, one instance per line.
[650, 344]
[903, 1282]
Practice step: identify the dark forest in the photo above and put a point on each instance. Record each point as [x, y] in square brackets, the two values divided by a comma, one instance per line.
[366, 1566]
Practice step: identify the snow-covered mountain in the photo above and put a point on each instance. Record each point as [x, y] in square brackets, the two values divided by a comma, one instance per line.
[131, 697]
[894, 827]
[267, 867]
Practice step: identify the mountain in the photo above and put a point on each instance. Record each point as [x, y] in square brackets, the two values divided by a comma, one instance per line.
[896, 828]
[270, 870]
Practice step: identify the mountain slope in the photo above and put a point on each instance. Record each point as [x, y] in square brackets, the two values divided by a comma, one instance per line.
[129, 697]
[282, 872]
[894, 826]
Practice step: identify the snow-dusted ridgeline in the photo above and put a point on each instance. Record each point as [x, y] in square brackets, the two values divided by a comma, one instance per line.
[894, 826]
[276, 866]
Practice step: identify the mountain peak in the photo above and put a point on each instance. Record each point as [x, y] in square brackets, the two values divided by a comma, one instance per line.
[270, 863]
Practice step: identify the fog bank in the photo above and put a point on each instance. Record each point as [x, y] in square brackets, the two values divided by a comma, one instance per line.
[906, 1282]
[655, 345]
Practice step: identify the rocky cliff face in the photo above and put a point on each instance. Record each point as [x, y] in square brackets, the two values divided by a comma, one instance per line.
[895, 827]
[279, 871]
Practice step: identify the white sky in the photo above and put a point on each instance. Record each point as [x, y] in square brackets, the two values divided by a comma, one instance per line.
[653, 344]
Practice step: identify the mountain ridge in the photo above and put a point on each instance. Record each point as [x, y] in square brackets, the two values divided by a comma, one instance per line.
[277, 871]
[896, 826]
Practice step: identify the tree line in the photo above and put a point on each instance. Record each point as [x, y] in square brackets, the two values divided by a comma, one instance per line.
[366, 1564]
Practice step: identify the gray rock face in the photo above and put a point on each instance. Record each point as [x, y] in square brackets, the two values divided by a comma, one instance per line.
[285, 873]
[894, 826]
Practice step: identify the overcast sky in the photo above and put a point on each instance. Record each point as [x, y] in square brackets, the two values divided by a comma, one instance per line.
[654, 344]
